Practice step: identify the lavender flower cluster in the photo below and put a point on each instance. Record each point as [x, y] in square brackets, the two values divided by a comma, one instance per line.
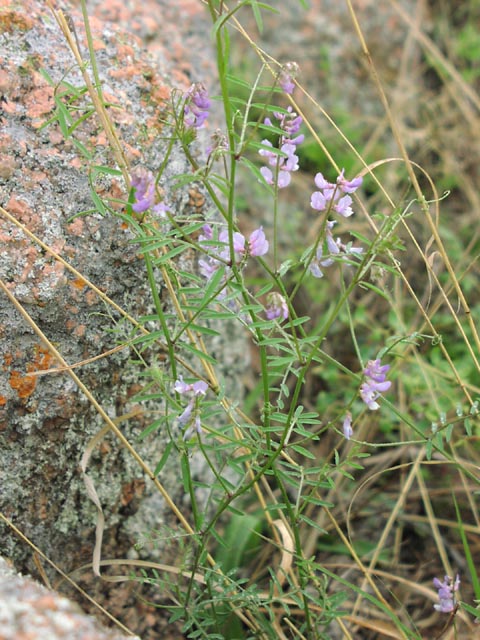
[197, 106]
[446, 593]
[287, 161]
[374, 384]
[333, 197]
[219, 249]
[190, 415]
[145, 197]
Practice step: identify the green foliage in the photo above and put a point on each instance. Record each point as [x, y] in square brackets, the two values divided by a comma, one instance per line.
[284, 477]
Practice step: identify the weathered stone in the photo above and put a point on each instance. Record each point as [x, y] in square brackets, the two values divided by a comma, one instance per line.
[28, 610]
[45, 422]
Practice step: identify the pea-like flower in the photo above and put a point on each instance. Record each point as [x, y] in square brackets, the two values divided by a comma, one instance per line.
[190, 415]
[256, 245]
[197, 105]
[334, 196]
[446, 593]
[143, 182]
[347, 426]
[375, 383]
[287, 75]
[276, 306]
[285, 163]
[336, 249]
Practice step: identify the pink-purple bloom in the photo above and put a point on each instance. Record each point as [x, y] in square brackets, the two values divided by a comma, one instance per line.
[281, 165]
[143, 183]
[334, 196]
[347, 426]
[190, 414]
[197, 105]
[446, 593]
[277, 307]
[336, 248]
[287, 75]
[198, 388]
[256, 245]
[375, 383]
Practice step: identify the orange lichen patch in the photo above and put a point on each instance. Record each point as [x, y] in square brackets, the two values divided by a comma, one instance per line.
[99, 140]
[43, 359]
[16, 206]
[78, 283]
[129, 71]
[4, 81]
[25, 385]
[14, 20]
[160, 93]
[125, 51]
[77, 227]
[3, 401]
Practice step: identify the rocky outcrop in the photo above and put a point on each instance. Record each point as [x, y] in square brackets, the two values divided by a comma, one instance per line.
[29, 610]
[47, 179]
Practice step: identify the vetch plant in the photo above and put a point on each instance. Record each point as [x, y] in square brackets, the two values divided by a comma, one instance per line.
[279, 542]
[446, 593]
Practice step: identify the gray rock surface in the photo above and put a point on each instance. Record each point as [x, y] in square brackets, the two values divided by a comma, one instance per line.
[28, 611]
[46, 422]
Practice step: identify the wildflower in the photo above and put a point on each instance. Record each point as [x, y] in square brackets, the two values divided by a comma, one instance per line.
[334, 196]
[195, 390]
[143, 183]
[286, 162]
[199, 388]
[276, 306]
[219, 144]
[375, 383]
[348, 186]
[287, 75]
[197, 105]
[446, 593]
[257, 245]
[335, 248]
[347, 426]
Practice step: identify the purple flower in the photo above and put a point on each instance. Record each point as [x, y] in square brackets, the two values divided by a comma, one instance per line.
[347, 426]
[283, 177]
[143, 183]
[446, 593]
[343, 207]
[348, 186]
[375, 383]
[287, 75]
[276, 306]
[331, 196]
[257, 243]
[287, 161]
[197, 104]
[199, 388]
[335, 248]
[195, 390]
[184, 418]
